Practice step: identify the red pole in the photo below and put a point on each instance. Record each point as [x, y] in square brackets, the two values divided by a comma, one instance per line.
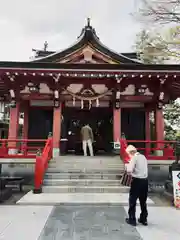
[38, 178]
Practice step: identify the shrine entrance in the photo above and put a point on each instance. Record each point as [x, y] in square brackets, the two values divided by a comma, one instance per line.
[40, 122]
[100, 120]
[133, 124]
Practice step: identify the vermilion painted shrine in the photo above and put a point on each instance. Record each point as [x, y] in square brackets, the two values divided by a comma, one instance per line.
[87, 83]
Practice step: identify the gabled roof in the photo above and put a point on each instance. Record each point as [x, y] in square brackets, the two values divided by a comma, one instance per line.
[75, 67]
[45, 53]
[87, 37]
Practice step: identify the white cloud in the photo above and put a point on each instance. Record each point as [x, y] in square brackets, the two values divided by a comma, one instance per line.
[27, 24]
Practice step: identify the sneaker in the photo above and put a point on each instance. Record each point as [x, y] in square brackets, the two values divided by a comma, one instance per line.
[131, 222]
[142, 222]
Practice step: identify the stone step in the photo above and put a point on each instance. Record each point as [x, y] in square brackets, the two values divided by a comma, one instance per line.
[85, 189]
[86, 166]
[87, 171]
[100, 170]
[75, 158]
[81, 182]
[91, 166]
[88, 159]
[57, 175]
[87, 163]
[79, 199]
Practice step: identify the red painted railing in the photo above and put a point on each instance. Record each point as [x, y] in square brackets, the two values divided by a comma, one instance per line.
[124, 156]
[150, 149]
[22, 148]
[41, 165]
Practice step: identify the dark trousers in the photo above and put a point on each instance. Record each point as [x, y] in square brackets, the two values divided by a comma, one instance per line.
[138, 190]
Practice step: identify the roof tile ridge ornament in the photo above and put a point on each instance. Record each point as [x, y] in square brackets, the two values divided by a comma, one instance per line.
[88, 22]
[45, 46]
[88, 28]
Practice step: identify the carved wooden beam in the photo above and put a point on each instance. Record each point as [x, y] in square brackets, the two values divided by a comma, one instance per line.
[12, 89]
[161, 92]
[117, 92]
[56, 90]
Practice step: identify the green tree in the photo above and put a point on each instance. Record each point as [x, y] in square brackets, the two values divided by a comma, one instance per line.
[151, 48]
[172, 114]
[151, 51]
[172, 119]
[163, 17]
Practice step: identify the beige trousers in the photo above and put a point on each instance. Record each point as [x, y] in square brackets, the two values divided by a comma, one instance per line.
[84, 145]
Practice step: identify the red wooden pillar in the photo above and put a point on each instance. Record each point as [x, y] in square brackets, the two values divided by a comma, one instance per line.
[57, 116]
[159, 126]
[116, 124]
[25, 126]
[13, 128]
[26, 121]
[147, 130]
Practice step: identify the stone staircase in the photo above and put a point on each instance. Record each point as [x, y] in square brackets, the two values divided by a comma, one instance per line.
[77, 174]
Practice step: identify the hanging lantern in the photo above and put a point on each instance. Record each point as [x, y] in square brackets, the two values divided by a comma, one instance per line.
[82, 104]
[97, 102]
[117, 104]
[161, 96]
[90, 104]
[56, 103]
[74, 101]
[160, 105]
[12, 104]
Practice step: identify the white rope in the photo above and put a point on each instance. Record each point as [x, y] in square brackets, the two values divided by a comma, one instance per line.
[88, 98]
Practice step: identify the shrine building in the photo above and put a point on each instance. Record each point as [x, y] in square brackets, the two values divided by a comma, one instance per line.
[114, 93]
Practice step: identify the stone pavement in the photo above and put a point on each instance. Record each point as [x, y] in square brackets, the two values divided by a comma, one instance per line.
[88, 222]
[76, 198]
[84, 222]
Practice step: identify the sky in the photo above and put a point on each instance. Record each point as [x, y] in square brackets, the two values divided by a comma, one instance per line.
[28, 24]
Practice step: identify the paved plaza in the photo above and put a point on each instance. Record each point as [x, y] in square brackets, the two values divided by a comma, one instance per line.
[81, 222]
[76, 198]
[84, 215]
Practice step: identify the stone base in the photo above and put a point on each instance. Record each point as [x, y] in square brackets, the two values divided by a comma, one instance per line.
[159, 152]
[12, 151]
[37, 191]
[56, 152]
[116, 152]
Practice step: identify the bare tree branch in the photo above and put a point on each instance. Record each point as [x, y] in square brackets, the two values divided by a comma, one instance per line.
[159, 11]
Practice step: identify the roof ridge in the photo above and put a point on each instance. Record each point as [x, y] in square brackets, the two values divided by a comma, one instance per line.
[88, 35]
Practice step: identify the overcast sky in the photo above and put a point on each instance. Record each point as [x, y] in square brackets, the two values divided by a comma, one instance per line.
[26, 24]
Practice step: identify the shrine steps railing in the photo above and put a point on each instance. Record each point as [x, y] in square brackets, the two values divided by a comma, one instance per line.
[27, 149]
[21, 148]
[41, 165]
[160, 151]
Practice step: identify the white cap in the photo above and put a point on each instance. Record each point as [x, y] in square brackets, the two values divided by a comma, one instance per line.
[131, 148]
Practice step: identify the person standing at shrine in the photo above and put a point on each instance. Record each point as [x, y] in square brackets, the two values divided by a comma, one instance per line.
[138, 168]
[87, 139]
[123, 136]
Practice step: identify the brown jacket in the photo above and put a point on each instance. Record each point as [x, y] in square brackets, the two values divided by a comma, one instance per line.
[86, 133]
